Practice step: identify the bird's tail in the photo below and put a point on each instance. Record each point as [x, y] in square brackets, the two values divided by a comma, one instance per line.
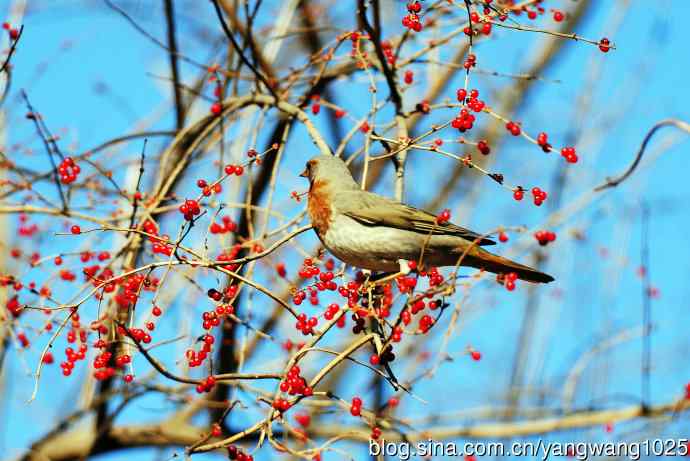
[482, 259]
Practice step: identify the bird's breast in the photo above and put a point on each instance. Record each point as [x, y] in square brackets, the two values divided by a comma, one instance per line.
[375, 248]
[319, 208]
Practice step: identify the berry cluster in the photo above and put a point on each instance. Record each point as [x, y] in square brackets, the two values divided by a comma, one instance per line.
[14, 306]
[325, 281]
[356, 406]
[236, 454]
[132, 286]
[13, 32]
[295, 384]
[544, 237]
[470, 62]
[406, 284]
[569, 154]
[212, 318]
[281, 404]
[539, 196]
[483, 147]
[228, 226]
[384, 357]
[161, 244]
[508, 280]
[137, 334]
[306, 326]
[375, 433]
[388, 52]
[309, 269]
[425, 323]
[72, 356]
[206, 385]
[194, 358]
[331, 311]
[189, 209]
[543, 141]
[409, 77]
[513, 128]
[68, 170]
[101, 365]
[473, 102]
[412, 21]
[207, 189]
[231, 169]
[443, 217]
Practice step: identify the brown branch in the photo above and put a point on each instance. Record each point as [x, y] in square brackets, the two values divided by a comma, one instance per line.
[174, 66]
[239, 52]
[548, 425]
[615, 181]
[13, 47]
[49, 150]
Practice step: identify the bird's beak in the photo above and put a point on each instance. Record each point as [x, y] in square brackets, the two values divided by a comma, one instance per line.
[305, 173]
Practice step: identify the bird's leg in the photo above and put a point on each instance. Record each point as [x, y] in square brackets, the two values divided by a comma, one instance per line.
[384, 277]
[374, 278]
[404, 267]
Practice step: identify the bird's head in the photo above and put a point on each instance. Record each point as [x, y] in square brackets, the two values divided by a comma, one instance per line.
[329, 169]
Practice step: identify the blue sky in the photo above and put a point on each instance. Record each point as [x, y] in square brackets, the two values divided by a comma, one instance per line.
[71, 49]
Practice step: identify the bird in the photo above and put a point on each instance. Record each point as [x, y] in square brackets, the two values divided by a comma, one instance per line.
[378, 234]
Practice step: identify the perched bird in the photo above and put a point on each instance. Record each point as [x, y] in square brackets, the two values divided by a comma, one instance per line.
[372, 232]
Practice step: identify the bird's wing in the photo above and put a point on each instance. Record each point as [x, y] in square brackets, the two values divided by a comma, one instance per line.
[375, 210]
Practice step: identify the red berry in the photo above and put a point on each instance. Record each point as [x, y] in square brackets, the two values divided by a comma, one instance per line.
[76, 230]
[513, 128]
[483, 147]
[216, 108]
[604, 45]
[443, 217]
[409, 77]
